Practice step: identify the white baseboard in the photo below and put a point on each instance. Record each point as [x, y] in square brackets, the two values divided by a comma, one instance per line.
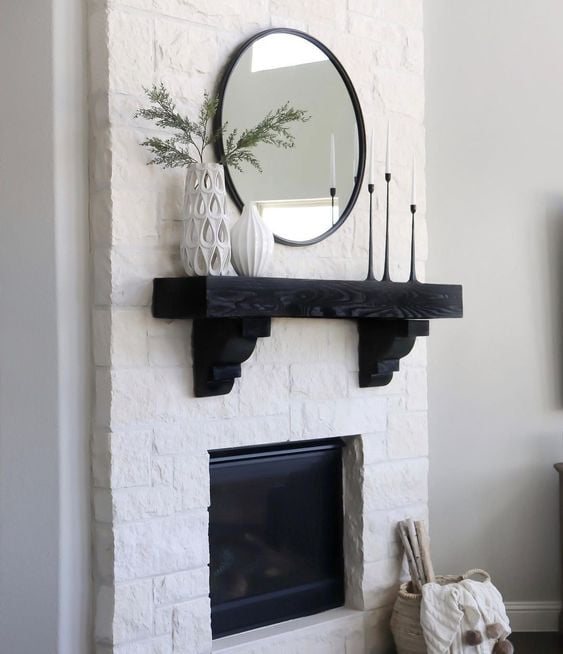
[533, 616]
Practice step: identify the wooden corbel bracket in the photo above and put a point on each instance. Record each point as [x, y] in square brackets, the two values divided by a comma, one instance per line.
[231, 313]
[219, 347]
[382, 343]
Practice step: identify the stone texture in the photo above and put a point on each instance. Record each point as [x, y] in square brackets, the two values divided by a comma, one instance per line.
[375, 447]
[376, 623]
[407, 13]
[191, 627]
[134, 504]
[417, 398]
[310, 419]
[318, 381]
[103, 557]
[163, 620]
[162, 471]
[130, 454]
[103, 627]
[133, 611]
[147, 396]
[166, 351]
[157, 546]
[353, 540]
[396, 484]
[134, 215]
[407, 435]
[101, 336]
[101, 461]
[381, 582]
[129, 338]
[152, 436]
[191, 480]
[263, 399]
[101, 260]
[160, 645]
[101, 500]
[131, 54]
[217, 434]
[315, 13]
[221, 15]
[100, 216]
[181, 586]
[337, 632]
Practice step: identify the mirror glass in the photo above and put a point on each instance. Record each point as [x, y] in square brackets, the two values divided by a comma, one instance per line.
[293, 193]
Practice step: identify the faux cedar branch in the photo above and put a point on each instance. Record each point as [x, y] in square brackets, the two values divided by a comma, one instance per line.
[190, 138]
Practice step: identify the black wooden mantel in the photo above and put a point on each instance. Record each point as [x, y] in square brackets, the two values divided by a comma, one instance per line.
[231, 313]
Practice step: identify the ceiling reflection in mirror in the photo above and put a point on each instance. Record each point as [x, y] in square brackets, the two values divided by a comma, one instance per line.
[305, 192]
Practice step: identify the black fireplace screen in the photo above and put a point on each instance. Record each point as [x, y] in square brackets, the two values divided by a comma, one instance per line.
[275, 534]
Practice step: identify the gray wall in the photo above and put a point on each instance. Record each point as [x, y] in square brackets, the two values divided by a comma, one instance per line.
[44, 541]
[494, 80]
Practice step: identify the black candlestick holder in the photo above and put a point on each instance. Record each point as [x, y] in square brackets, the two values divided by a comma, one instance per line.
[386, 277]
[412, 277]
[370, 276]
[332, 196]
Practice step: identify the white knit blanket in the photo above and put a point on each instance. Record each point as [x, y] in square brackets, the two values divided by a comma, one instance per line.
[447, 612]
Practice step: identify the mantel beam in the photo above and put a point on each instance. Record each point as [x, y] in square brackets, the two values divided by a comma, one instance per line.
[231, 313]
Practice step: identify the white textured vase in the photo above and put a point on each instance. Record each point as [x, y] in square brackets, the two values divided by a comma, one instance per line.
[205, 246]
[252, 244]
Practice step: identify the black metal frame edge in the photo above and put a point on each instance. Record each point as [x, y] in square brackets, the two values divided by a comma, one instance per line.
[274, 450]
[218, 121]
[328, 593]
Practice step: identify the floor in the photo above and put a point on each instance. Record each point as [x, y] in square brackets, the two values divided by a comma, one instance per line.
[537, 643]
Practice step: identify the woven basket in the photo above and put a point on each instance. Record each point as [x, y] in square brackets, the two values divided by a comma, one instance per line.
[405, 621]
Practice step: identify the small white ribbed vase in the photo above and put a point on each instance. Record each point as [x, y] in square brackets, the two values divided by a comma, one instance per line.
[205, 246]
[252, 243]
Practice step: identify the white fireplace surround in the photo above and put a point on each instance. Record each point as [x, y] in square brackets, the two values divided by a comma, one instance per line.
[152, 436]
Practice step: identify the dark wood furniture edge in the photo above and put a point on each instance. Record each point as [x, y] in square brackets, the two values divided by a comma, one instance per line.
[231, 313]
[280, 297]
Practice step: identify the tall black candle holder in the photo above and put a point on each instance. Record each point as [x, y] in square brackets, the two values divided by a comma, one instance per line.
[370, 276]
[386, 277]
[412, 276]
[332, 196]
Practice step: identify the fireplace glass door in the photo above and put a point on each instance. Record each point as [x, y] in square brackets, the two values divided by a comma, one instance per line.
[275, 534]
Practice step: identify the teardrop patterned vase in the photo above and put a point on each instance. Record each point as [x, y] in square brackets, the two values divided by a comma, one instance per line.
[252, 243]
[206, 247]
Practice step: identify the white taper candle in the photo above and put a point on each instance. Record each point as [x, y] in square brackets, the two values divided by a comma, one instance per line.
[371, 175]
[356, 152]
[332, 162]
[388, 152]
[413, 185]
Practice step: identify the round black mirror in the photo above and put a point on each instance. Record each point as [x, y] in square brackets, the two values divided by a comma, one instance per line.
[304, 193]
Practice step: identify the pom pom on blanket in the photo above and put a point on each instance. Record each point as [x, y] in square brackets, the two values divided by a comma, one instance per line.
[473, 637]
[494, 631]
[503, 647]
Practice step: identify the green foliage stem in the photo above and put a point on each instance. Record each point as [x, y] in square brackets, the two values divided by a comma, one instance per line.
[191, 138]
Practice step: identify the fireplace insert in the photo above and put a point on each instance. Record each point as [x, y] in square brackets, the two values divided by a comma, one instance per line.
[275, 534]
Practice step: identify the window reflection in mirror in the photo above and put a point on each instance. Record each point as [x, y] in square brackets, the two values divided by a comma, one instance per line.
[293, 193]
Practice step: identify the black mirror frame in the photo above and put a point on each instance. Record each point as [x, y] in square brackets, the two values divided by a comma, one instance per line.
[218, 121]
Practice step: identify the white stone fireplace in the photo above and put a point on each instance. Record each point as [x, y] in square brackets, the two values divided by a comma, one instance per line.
[152, 436]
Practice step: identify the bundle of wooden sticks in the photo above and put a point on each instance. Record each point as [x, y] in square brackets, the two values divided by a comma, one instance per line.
[414, 537]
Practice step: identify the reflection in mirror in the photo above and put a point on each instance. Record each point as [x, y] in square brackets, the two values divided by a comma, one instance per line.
[305, 192]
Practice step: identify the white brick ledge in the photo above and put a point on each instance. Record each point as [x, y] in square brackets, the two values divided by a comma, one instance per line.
[305, 631]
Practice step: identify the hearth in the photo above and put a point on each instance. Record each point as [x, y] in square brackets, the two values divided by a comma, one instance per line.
[275, 534]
